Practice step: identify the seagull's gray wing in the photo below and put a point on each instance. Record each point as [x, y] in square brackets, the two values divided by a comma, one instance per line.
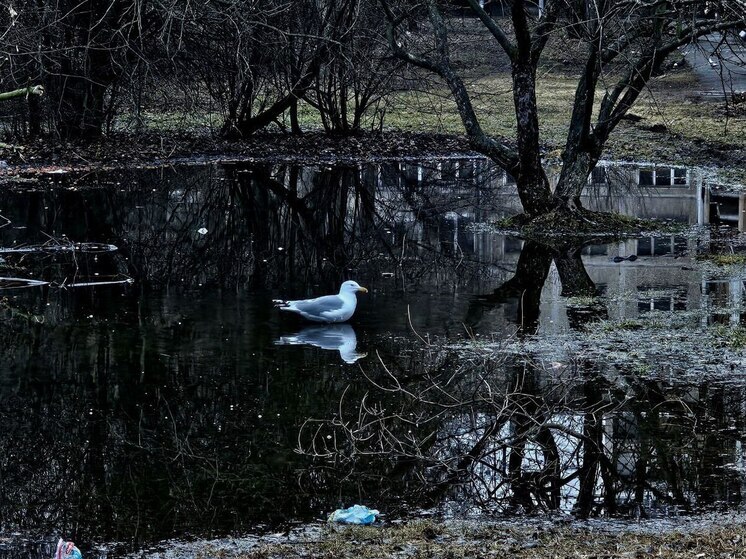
[324, 304]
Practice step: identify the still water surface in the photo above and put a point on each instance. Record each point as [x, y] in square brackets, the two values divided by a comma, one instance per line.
[148, 388]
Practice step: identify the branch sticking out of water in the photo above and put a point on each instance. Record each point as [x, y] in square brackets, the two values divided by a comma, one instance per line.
[56, 246]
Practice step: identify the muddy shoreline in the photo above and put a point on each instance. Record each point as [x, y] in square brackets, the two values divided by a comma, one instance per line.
[145, 151]
[40, 158]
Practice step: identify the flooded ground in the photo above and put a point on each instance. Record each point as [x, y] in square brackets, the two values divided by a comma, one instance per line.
[149, 389]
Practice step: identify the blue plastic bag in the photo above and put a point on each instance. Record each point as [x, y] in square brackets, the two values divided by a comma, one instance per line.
[356, 514]
[67, 550]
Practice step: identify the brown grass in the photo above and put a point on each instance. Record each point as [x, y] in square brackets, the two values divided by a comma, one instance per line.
[426, 539]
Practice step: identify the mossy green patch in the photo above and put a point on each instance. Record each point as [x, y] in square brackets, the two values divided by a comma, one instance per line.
[724, 259]
[731, 336]
[579, 223]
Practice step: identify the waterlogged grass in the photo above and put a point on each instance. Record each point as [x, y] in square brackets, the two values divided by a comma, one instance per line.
[656, 344]
[580, 224]
[731, 336]
[629, 324]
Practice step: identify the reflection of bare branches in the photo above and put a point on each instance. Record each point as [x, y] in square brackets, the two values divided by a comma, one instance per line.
[12, 312]
[507, 432]
[265, 224]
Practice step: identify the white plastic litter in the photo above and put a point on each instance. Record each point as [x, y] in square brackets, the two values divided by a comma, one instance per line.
[356, 514]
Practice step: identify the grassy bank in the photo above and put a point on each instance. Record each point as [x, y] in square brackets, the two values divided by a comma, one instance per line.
[669, 124]
[709, 537]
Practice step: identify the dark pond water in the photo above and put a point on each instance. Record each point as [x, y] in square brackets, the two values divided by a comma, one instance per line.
[149, 389]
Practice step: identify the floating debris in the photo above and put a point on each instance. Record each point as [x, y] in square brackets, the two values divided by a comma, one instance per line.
[103, 280]
[67, 550]
[60, 247]
[20, 283]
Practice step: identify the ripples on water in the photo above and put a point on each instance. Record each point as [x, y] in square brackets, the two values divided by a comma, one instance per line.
[152, 391]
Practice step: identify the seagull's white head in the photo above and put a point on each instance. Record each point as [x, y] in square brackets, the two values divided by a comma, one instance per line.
[352, 287]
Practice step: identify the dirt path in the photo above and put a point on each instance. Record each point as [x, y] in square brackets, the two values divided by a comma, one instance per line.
[716, 66]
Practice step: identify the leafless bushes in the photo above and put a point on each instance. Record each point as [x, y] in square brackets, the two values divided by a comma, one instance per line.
[255, 63]
[79, 51]
[250, 62]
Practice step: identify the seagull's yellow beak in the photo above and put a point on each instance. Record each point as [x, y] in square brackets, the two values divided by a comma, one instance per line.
[362, 290]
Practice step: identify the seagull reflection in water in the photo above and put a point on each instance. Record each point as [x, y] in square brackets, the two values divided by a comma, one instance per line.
[340, 337]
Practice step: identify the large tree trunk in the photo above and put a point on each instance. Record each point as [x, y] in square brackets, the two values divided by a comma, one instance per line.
[532, 182]
[573, 179]
[582, 149]
[80, 110]
[626, 42]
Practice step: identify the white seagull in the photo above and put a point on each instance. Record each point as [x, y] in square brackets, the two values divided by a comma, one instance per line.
[329, 308]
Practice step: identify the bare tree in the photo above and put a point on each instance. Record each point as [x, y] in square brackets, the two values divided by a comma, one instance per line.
[79, 51]
[259, 60]
[623, 44]
[256, 59]
[357, 73]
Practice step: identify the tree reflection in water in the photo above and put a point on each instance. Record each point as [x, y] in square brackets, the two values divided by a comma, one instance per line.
[503, 428]
[136, 413]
